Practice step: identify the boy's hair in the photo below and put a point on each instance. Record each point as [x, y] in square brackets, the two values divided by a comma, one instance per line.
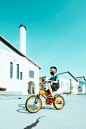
[54, 68]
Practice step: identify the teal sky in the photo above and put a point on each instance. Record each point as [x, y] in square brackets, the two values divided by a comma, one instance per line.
[56, 32]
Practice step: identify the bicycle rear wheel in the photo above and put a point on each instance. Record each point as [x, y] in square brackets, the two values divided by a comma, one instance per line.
[33, 104]
[59, 102]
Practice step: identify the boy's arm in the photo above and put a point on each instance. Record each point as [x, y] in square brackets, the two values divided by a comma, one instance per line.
[57, 79]
[53, 81]
[49, 80]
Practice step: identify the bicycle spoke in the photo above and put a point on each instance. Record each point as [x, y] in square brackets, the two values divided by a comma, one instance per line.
[59, 102]
[33, 104]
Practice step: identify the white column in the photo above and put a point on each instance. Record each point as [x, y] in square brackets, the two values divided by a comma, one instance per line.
[23, 39]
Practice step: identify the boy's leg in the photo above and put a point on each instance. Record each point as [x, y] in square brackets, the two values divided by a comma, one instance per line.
[50, 89]
[47, 92]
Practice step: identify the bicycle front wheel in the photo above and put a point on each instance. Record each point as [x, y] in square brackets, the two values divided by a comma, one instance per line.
[59, 102]
[33, 104]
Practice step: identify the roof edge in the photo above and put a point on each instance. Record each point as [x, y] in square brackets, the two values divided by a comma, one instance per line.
[9, 44]
[69, 73]
[81, 77]
[72, 76]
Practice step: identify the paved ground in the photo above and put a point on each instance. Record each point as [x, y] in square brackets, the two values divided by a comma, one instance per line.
[13, 115]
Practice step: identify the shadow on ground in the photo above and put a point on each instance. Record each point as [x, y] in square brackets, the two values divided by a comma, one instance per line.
[33, 124]
[24, 110]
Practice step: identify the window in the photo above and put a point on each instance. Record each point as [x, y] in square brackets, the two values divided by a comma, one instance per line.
[31, 74]
[17, 71]
[62, 84]
[11, 70]
[20, 75]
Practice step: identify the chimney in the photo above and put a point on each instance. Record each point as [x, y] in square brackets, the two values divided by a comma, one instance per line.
[22, 39]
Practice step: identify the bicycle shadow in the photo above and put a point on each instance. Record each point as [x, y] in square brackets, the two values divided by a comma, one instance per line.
[24, 110]
[47, 107]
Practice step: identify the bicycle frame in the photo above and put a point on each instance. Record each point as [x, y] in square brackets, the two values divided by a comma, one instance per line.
[42, 93]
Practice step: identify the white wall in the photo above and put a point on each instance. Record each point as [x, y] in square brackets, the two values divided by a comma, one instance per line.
[36, 79]
[11, 84]
[14, 84]
[67, 88]
[1, 69]
[85, 89]
[75, 85]
[27, 65]
[64, 85]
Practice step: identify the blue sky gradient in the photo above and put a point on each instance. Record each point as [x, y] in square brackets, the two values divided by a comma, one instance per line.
[56, 32]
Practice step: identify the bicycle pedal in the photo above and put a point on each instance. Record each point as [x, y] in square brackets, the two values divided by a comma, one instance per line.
[49, 98]
[48, 102]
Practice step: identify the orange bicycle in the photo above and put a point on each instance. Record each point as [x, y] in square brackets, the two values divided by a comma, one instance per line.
[34, 103]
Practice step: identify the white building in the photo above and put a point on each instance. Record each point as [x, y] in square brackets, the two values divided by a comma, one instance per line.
[66, 81]
[18, 73]
[82, 85]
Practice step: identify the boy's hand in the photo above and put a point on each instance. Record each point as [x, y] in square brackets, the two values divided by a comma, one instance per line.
[55, 81]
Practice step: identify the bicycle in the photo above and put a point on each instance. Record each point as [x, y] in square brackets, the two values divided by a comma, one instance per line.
[36, 102]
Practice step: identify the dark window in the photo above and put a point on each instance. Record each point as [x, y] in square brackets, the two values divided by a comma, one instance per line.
[17, 71]
[20, 75]
[11, 70]
[31, 74]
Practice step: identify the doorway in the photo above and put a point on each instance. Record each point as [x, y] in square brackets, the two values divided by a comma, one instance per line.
[31, 87]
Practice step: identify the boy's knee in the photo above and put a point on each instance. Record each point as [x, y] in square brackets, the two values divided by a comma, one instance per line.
[48, 86]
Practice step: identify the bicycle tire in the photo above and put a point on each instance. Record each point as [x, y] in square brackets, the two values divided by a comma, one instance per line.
[27, 101]
[58, 108]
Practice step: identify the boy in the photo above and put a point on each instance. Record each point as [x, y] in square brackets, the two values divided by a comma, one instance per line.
[54, 82]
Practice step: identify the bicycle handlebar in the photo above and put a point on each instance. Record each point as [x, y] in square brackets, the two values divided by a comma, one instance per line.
[42, 83]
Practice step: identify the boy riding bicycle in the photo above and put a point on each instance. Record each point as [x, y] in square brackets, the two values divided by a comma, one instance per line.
[36, 103]
[53, 82]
